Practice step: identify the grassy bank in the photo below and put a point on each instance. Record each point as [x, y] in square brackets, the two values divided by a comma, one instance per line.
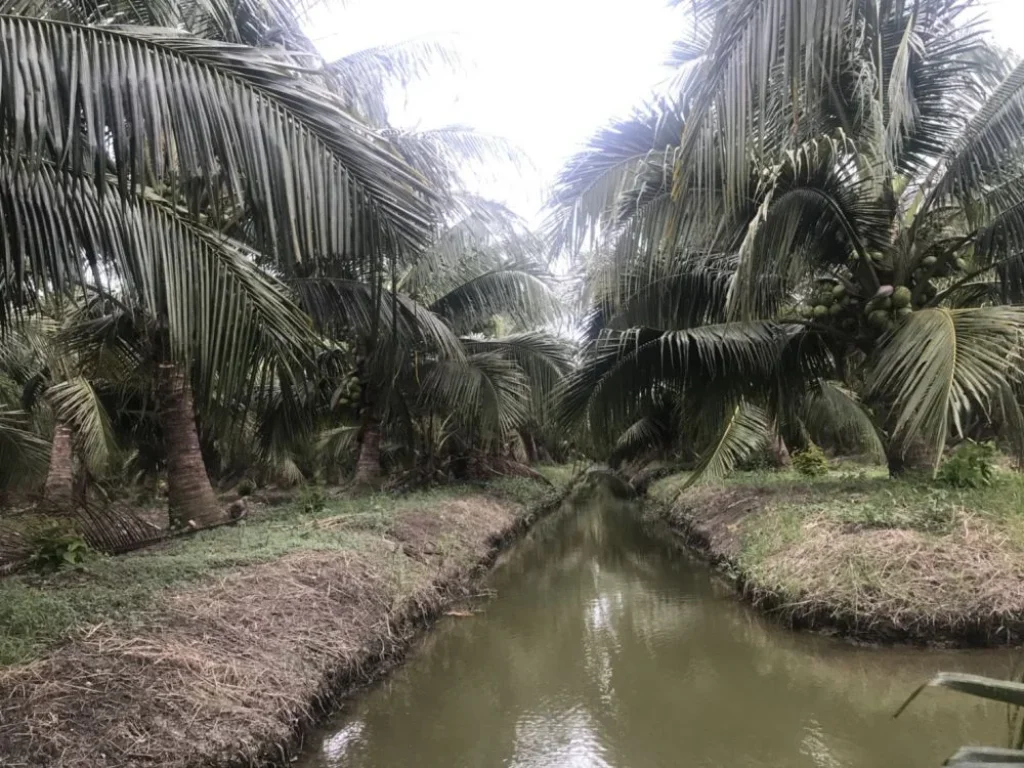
[217, 648]
[859, 554]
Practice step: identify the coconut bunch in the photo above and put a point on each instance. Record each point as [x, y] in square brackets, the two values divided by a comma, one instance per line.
[844, 302]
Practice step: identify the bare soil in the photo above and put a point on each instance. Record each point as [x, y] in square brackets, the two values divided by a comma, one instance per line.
[232, 671]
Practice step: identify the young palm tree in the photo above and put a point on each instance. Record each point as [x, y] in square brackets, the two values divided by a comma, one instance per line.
[825, 225]
[52, 380]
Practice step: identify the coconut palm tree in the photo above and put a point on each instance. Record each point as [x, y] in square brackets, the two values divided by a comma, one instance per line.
[823, 226]
[53, 381]
[158, 151]
[418, 346]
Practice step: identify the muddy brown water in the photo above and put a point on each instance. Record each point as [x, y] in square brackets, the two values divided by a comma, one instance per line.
[605, 647]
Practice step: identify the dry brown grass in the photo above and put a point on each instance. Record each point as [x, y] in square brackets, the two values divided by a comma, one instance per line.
[966, 586]
[228, 673]
[867, 557]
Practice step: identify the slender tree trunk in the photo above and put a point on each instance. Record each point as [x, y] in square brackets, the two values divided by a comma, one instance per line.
[191, 501]
[58, 493]
[368, 469]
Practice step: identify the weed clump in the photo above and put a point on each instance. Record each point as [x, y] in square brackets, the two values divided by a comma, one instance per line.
[57, 545]
[971, 466]
[811, 461]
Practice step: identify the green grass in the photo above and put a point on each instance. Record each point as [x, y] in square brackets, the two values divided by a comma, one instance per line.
[559, 475]
[864, 498]
[37, 612]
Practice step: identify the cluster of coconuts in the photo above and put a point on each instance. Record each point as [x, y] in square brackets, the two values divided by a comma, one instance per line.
[348, 392]
[890, 304]
[881, 312]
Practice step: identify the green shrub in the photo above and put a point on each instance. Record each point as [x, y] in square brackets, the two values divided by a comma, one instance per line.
[971, 466]
[811, 461]
[312, 500]
[245, 487]
[56, 545]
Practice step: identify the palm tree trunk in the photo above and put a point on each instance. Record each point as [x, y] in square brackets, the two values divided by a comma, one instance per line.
[368, 465]
[780, 453]
[902, 459]
[58, 493]
[191, 500]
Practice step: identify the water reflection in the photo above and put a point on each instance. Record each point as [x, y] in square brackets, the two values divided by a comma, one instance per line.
[605, 647]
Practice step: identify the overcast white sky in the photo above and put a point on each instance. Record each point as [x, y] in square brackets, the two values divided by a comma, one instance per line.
[542, 73]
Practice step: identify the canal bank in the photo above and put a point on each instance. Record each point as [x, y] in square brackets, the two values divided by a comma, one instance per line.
[222, 648]
[860, 555]
[605, 645]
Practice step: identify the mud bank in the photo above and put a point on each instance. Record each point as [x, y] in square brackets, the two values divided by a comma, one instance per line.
[230, 665]
[861, 556]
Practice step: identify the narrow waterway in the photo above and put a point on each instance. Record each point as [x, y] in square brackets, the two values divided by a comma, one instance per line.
[604, 646]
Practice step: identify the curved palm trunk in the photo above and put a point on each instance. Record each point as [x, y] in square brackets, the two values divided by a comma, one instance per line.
[58, 493]
[191, 500]
[368, 469]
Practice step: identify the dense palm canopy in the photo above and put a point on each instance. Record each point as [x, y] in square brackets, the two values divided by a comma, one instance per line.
[824, 217]
[235, 254]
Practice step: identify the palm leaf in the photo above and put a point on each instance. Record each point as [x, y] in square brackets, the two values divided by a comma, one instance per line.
[587, 191]
[941, 365]
[485, 391]
[394, 321]
[77, 404]
[834, 407]
[744, 430]
[150, 102]
[23, 454]
[1004, 691]
[518, 290]
[363, 77]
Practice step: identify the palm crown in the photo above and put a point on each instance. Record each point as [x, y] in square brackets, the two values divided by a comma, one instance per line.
[825, 217]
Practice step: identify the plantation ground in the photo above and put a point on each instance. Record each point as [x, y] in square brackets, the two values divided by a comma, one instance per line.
[217, 648]
[865, 556]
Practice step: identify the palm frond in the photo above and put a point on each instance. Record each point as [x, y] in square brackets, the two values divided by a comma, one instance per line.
[518, 290]
[587, 191]
[619, 366]
[744, 430]
[450, 155]
[340, 443]
[486, 391]
[833, 408]
[23, 454]
[543, 358]
[243, 123]
[77, 404]
[987, 144]
[363, 77]
[941, 365]
[341, 307]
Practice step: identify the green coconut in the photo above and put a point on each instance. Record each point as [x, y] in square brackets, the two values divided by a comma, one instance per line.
[835, 309]
[879, 318]
[929, 261]
[901, 297]
[820, 310]
[903, 313]
[839, 291]
[806, 311]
